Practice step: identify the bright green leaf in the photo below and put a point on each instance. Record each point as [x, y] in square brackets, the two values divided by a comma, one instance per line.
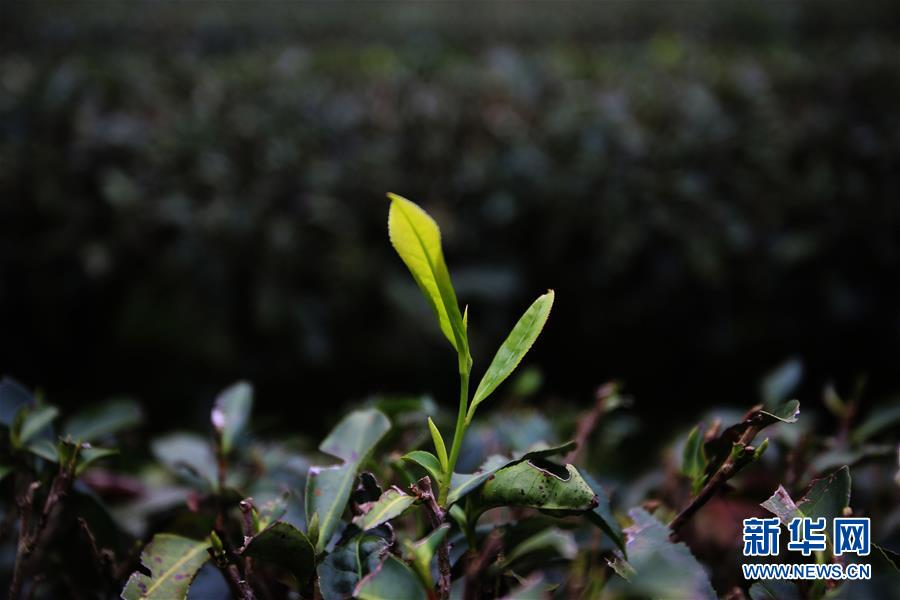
[439, 446]
[231, 412]
[173, 562]
[510, 353]
[284, 545]
[427, 461]
[417, 239]
[422, 552]
[693, 461]
[392, 503]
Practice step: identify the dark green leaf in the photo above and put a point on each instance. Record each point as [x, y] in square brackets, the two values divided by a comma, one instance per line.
[547, 544]
[828, 496]
[284, 545]
[88, 456]
[538, 483]
[189, 456]
[173, 562]
[662, 569]
[786, 413]
[328, 488]
[104, 419]
[881, 419]
[13, 396]
[774, 590]
[231, 412]
[602, 515]
[35, 422]
[781, 381]
[393, 580]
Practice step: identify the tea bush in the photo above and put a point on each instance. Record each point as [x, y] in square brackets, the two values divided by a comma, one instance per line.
[384, 507]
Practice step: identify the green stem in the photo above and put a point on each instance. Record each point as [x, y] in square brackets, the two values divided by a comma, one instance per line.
[459, 433]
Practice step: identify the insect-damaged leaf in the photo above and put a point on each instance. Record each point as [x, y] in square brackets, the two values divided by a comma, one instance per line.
[513, 349]
[391, 581]
[284, 545]
[392, 503]
[328, 488]
[417, 239]
[231, 412]
[173, 562]
[537, 483]
[827, 497]
[465, 483]
[659, 568]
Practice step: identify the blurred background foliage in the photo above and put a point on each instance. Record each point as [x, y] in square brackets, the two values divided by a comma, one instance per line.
[192, 193]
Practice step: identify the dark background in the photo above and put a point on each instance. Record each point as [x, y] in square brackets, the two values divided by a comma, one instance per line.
[194, 193]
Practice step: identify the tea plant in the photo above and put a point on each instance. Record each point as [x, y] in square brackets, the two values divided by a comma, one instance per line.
[373, 515]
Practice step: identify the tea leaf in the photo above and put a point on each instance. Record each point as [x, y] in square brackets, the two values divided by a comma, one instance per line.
[693, 461]
[879, 420]
[422, 553]
[511, 352]
[392, 580]
[662, 569]
[549, 543]
[778, 384]
[104, 419]
[328, 488]
[786, 413]
[35, 422]
[284, 545]
[827, 496]
[231, 412]
[462, 484]
[602, 515]
[417, 239]
[13, 396]
[427, 461]
[173, 562]
[189, 456]
[540, 484]
[774, 590]
[89, 456]
[439, 446]
[392, 504]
